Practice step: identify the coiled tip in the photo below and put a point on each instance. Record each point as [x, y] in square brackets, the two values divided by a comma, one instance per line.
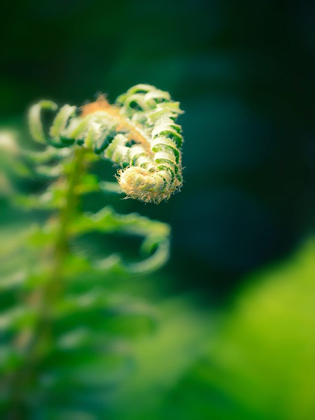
[145, 185]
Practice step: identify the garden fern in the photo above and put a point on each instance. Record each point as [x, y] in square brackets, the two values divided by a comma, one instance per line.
[61, 329]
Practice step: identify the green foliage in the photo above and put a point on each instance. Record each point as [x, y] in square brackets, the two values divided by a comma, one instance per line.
[63, 335]
[263, 358]
[257, 363]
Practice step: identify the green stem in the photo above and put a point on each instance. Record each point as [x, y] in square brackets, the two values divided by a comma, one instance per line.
[39, 341]
[61, 249]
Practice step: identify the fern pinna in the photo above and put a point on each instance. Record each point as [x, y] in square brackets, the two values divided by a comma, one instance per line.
[63, 328]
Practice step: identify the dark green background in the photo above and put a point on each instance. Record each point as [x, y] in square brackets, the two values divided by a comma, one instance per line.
[244, 74]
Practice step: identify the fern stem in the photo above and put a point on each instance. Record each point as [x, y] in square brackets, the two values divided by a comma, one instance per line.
[53, 287]
[37, 343]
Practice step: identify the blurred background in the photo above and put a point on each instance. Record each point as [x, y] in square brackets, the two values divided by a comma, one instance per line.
[236, 336]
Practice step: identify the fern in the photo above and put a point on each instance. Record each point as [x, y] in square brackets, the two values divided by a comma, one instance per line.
[62, 333]
[139, 133]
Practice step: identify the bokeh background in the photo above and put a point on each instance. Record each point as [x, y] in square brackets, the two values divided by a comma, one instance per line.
[236, 338]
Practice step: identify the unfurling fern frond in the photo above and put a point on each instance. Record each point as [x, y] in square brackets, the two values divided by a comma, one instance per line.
[59, 319]
[139, 133]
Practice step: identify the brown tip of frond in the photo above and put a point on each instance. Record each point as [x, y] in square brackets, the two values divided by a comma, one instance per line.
[101, 104]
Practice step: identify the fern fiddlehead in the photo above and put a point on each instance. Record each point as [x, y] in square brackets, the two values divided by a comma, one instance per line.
[139, 133]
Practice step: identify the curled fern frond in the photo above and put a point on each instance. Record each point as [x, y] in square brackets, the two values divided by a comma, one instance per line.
[139, 133]
[59, 331]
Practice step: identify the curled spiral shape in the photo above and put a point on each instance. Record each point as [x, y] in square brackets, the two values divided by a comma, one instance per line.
[139, 133]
